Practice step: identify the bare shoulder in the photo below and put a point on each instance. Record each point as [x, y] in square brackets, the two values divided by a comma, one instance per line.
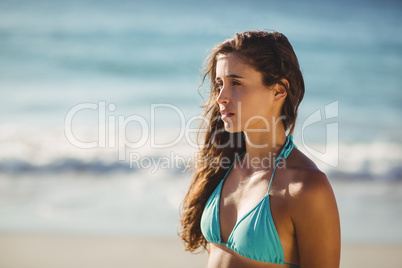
[314, 213]
[308, 181]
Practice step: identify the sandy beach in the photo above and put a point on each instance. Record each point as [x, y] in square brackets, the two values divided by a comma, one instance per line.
[67, 251]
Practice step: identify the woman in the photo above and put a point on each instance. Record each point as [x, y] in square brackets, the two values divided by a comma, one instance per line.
[272, 206]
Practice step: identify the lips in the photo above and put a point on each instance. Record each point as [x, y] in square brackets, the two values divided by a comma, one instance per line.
[226, 114]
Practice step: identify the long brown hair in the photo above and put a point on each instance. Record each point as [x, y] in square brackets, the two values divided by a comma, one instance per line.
[269, 53]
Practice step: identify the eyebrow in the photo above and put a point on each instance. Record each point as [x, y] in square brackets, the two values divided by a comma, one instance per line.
[233, 76]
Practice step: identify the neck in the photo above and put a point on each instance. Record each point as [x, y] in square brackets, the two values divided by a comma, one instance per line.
[263, 147]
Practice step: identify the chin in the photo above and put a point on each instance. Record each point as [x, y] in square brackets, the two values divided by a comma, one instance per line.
[229, 128]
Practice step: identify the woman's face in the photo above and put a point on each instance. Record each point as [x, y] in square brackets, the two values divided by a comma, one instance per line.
[245, 103]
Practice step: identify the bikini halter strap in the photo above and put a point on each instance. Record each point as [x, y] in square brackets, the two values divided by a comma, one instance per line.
[287, 148]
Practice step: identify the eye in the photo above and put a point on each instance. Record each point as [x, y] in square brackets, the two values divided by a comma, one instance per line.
[236, 83]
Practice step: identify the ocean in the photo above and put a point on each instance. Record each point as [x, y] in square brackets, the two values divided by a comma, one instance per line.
[99, 104]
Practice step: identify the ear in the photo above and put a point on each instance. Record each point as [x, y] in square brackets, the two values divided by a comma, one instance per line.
[281, 89]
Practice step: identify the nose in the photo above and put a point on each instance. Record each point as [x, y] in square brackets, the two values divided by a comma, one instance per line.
[223, 97]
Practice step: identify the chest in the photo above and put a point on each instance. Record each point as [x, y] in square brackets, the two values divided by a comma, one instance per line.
[240, 195]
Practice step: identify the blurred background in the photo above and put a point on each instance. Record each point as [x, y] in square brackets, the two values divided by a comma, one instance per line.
[98, 99]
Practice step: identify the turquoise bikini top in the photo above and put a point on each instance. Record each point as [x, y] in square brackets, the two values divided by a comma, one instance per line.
[254, 236]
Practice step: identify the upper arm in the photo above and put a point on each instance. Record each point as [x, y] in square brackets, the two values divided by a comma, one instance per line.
[316, 220]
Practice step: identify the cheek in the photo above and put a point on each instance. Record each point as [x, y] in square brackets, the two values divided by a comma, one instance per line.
[259, 104]
[257, 111]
